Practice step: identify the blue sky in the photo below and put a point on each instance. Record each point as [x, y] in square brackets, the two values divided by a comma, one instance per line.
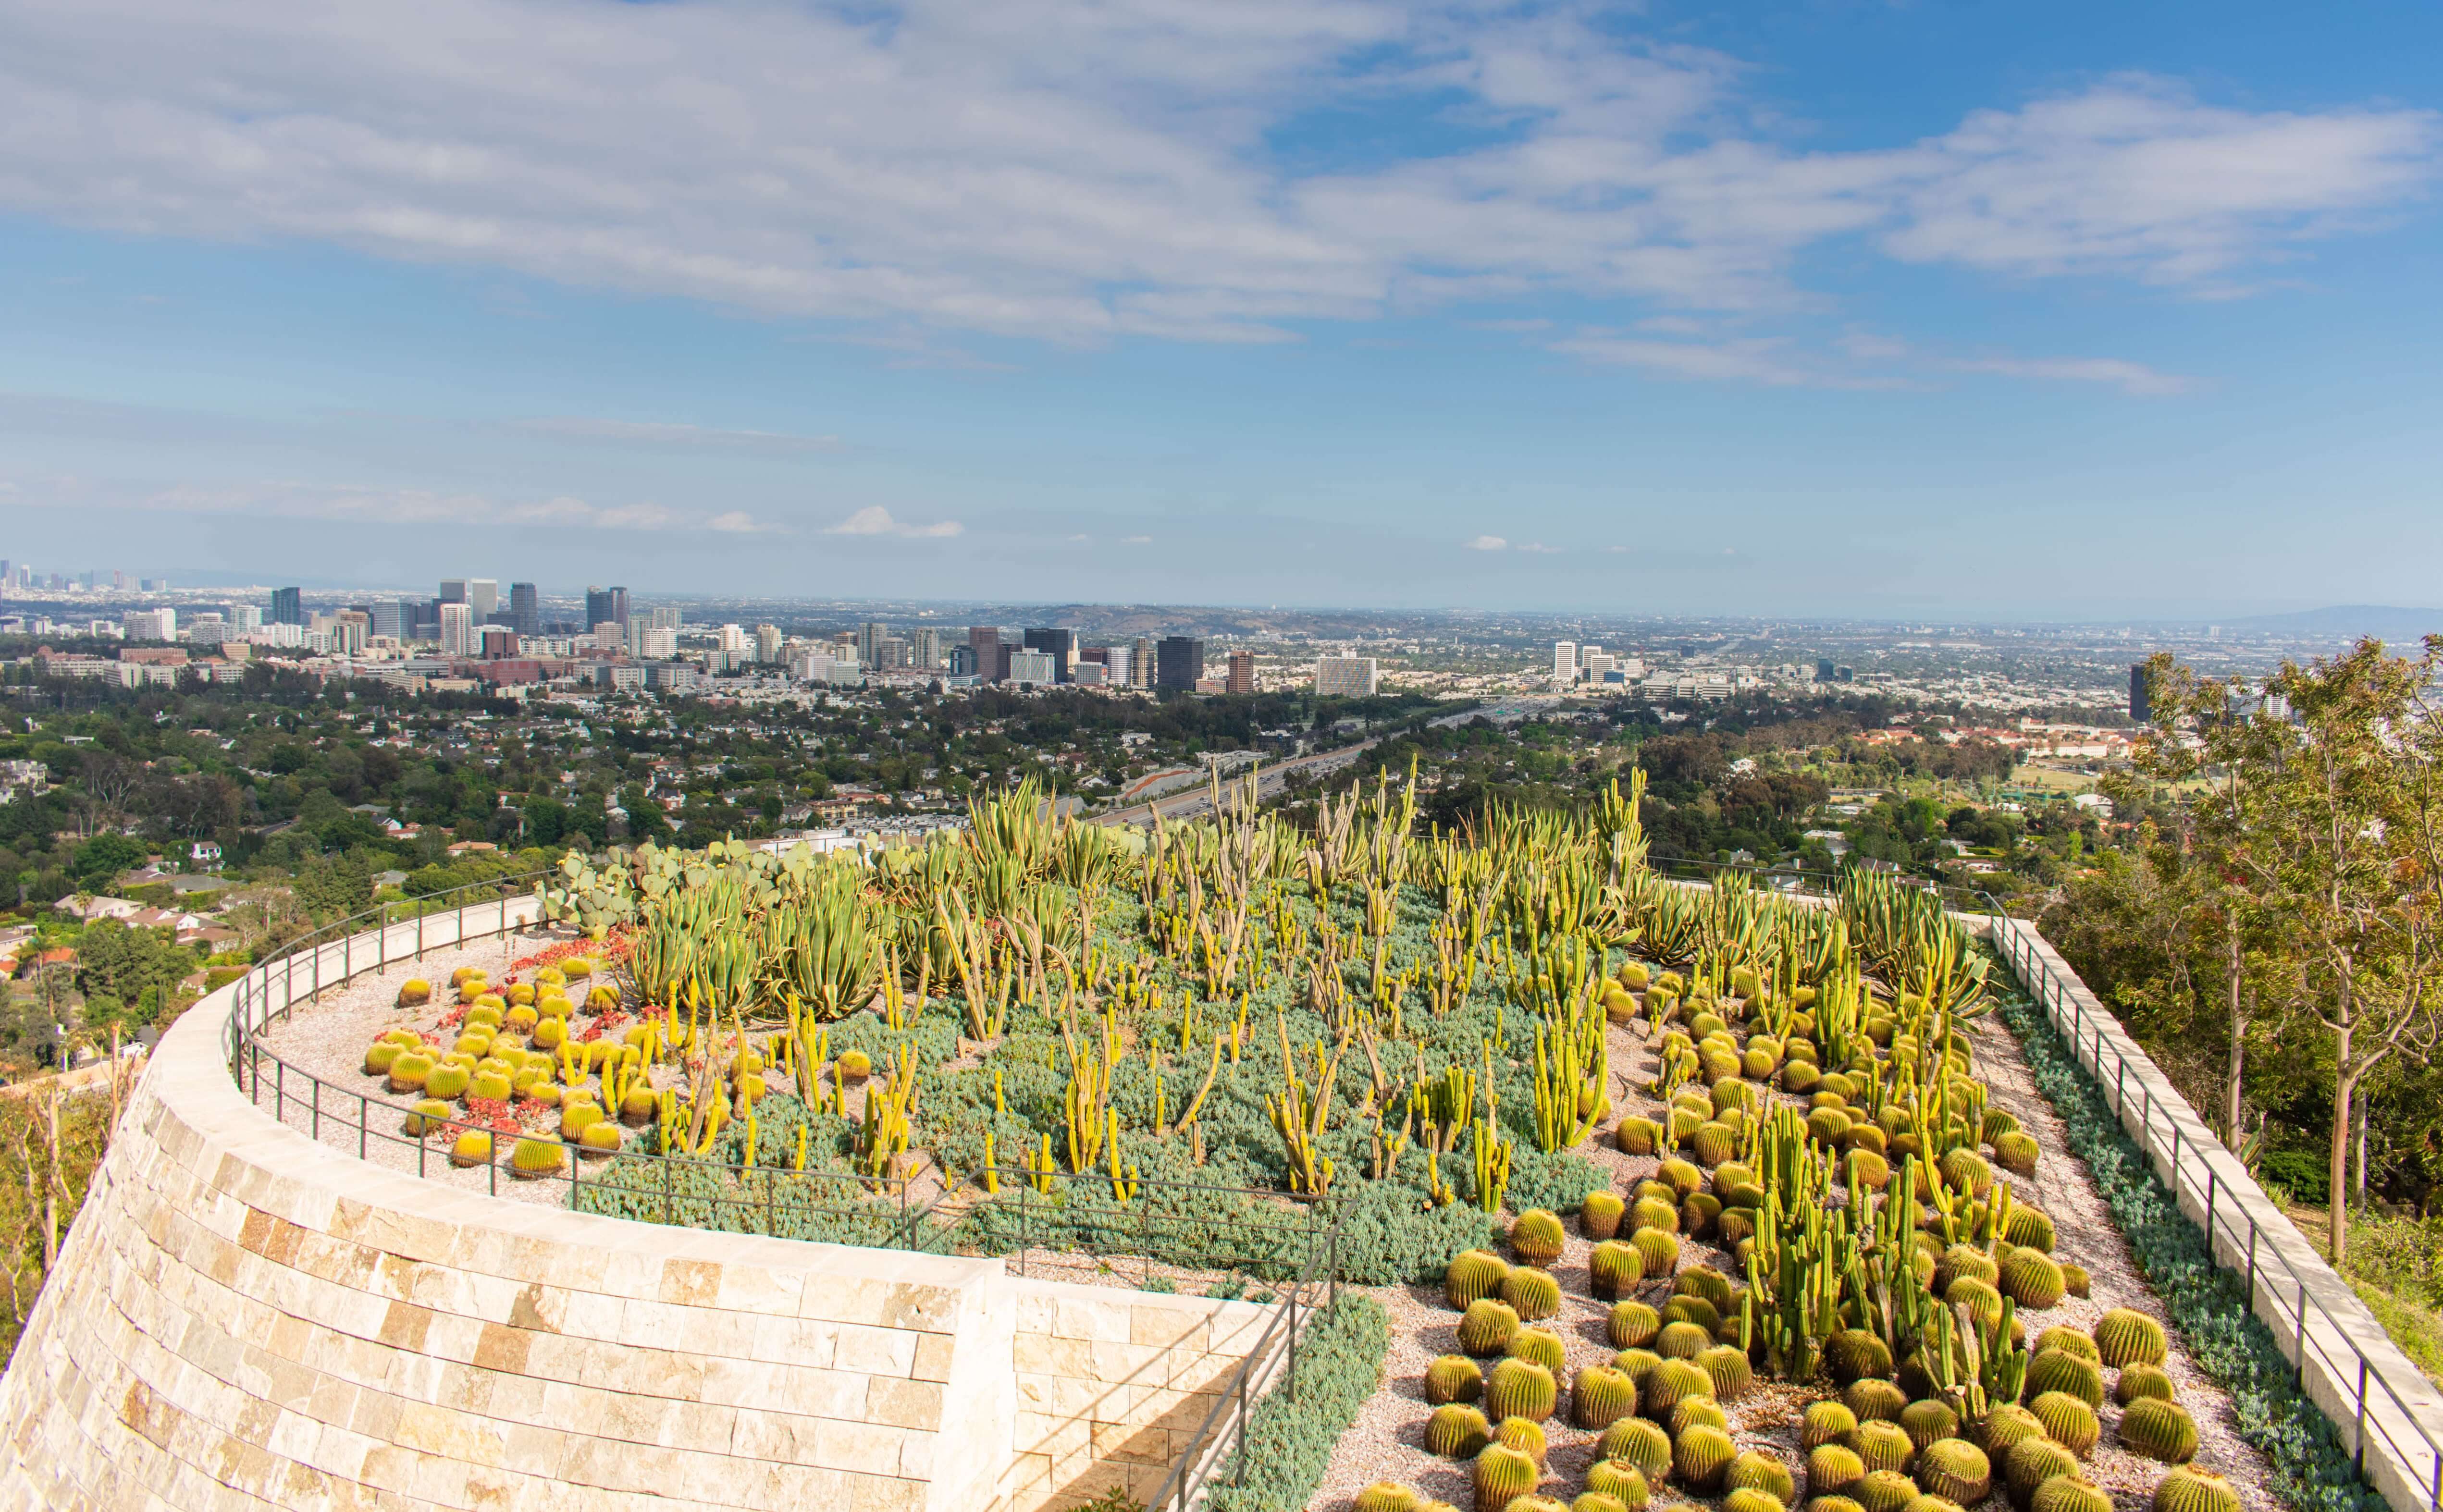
[1821, 308]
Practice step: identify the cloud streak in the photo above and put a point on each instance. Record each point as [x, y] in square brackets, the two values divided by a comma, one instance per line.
[1107, 168]
[674, 436]
[875, 520]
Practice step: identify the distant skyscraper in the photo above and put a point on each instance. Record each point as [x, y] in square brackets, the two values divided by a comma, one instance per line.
[1243, 673]
[984, 639]
[869, 637]
[1823, 671]
[1344, 676]
[1034, 669]
[458, 628]
[1141, 663]
[2142, 706]
[244, 619]
[1565, 662]
[767, 642]
[483, 597]
[1060, 644]
[606, 606]
[393, 618]
[925, 649]
[288, 607]
[525, 609]
[1179, 662]
[453, 590]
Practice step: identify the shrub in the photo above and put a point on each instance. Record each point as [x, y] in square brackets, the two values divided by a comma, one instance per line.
[1282, 1456]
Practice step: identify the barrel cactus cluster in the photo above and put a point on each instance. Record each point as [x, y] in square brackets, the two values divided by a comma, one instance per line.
[1825, 1131]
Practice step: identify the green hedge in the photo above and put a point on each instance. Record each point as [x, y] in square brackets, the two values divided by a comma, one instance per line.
[2209, 1304]
[1289, 1443]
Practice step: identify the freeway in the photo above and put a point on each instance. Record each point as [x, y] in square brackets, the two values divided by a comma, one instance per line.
[1269, 779]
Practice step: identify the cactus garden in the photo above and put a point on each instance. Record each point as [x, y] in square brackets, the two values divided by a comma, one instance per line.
[1676, 1195]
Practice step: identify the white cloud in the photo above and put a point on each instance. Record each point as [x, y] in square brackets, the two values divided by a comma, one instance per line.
[1538, 549]
[1488, 543]
[1076, 170]
[875, 520]
[2129, 377]
[1137, 540]
[686, 437]
[737, 522]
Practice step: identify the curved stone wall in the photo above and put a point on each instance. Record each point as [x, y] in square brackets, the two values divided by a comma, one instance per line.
[243, 1318]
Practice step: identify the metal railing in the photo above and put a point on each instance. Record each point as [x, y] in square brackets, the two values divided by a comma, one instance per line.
[2380, 1404]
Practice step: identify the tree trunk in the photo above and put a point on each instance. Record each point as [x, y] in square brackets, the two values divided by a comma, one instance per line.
[2337, 1227]
[2358, 1178]
[2234, 1104]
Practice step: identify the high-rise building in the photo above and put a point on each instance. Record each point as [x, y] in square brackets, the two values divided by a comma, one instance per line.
[963, 660]
[2141, 704]
[1060, 644]
[453, 590]
[483, 597]
[607, 605]
[525, 609]
[207, 628]
[457, 626]
[1141, 663]
[394, 618]
[610, 635]
[288, 605]
[1179, 663]
[768, 643]
[151, 624]
[1565, 663]
[1243, 673]
[244, 619]
[869, 637]
[984, 639]
[925, 649]
[497, 643]
[1121, 661]
[1344, 676]
[1823, 671]
[1035, 668]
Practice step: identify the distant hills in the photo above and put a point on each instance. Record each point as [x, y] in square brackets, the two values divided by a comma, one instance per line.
[2398, 628]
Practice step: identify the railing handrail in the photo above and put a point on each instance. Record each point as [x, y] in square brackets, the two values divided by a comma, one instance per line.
[2350, 1375]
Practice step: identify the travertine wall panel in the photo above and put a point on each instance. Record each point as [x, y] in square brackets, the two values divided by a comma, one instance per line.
[244, 1316]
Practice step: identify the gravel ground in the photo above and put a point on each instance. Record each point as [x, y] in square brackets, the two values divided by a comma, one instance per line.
[1386, 1441]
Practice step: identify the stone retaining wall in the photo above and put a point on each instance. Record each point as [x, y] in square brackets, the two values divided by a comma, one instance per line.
[243, 1317]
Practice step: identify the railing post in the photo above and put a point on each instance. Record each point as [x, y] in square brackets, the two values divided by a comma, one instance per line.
[2357, 1445]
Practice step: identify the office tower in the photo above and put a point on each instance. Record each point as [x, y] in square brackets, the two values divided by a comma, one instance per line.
[607, 605]
[207, 628]
[1002, 651]
[1142, 663]
[768, 643]
[1179, 663]
[1060, 644]
[118, 579]
[925, 649]
[1344, 676]
[453, 590]
[1565, 663]
[1823, 671]
[1034, 669]
[525, 609]
[151, 624]
[483, 597]
[730, 638]
[1243, 673]
[497, 643]
[244, 619]
[349, 630]
[1598, 666]
[984, 639]
[869, 636]
[963, 660]
[288, 605]
[457, 626]
[2142, 706]
[393, 618]
[610, 635]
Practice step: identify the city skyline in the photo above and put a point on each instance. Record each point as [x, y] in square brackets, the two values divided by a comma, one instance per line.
[1818, 311]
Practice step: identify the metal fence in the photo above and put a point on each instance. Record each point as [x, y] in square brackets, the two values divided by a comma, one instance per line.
[2387, 1413]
